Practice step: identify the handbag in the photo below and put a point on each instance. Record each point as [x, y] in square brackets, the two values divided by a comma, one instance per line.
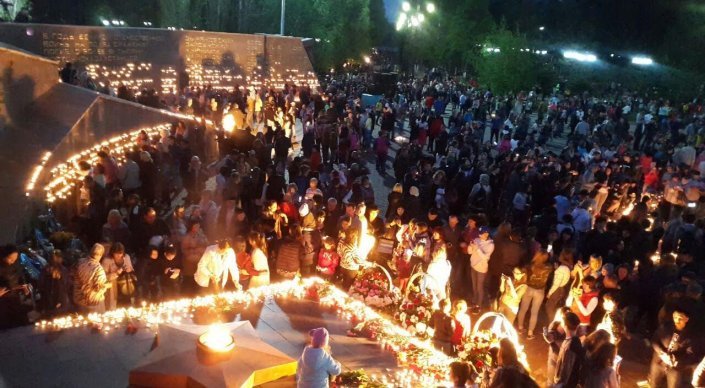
[127, 283]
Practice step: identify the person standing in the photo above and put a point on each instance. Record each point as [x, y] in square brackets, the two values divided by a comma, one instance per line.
[119, 272]
[12, 283]
[217, 270]
[316, 364]
[570, 355]
[193, 245]
[677, 350]
[259, 260]
[555, 298]
[90, 283]
[539, 272]
[480, 251]
[382, 144]
[512, 291]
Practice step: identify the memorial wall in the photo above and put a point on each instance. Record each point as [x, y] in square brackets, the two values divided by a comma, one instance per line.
[166, 59]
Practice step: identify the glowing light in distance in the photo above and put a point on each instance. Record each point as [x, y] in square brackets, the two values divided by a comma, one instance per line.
[642, 61]
[430, 7]
[405, 6]
[581, 57]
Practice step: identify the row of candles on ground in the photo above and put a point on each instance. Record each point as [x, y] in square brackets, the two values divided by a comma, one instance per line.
[390, 337]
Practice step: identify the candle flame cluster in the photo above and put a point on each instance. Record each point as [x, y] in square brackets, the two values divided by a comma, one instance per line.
[65, 175]
[36, 172]
[137, 77]
[390, 337]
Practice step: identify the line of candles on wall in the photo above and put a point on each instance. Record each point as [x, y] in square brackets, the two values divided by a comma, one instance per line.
[136, 77]
[68, 174]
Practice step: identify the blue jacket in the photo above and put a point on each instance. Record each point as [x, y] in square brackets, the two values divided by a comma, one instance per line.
[314, 367]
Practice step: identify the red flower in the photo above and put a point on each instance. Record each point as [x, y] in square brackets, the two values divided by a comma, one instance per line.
[479, 364]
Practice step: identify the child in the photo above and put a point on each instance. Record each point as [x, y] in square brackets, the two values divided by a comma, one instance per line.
[461, 322]
[316, 364]
[244, 262]
[328, 259]
[443, 327]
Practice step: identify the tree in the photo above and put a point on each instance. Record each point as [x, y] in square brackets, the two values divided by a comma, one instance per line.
[505, 66]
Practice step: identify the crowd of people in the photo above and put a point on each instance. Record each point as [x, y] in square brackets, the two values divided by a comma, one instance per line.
[598, 240]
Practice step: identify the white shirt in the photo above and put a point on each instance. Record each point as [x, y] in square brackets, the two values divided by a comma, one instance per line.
[259, 263]
[215, 265]
[560, 278]
[440, 272]
[480, 257]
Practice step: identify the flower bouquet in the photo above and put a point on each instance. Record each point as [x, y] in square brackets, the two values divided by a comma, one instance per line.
[422, 362]
[415, 313]
[368, 329]
[477, 350]
[372, 288]
[316, 291]
[221, 310]
[356, 378]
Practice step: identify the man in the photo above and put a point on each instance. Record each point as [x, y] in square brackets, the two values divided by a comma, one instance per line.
[570, 355]
[217, 269]
[90, 282]
[677, 351]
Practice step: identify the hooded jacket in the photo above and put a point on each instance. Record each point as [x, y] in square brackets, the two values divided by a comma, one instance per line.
[314, 367]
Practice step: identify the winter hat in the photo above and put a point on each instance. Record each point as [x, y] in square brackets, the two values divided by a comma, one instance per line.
[414, 191]
[303, 210]
[319, 337]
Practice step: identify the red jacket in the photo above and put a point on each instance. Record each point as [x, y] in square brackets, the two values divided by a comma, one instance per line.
[328, 261]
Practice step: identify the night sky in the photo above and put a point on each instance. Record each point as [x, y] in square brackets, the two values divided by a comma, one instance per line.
[392, 7]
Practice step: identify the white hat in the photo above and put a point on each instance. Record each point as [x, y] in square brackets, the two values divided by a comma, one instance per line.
[414, 191]
[303, 210]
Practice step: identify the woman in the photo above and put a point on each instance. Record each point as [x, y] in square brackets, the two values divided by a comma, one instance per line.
[90, 283]
[115, 228]
[350, 260]
[437, 275]
[151, 268]
[461, 323]
[259, 259]
[193, 245]
[538, 274]
[510, 373]
[289, 254]
[600, 369]
[120, 273]
[512, 291]
[316, 364]
[54, 287]
[394, 200]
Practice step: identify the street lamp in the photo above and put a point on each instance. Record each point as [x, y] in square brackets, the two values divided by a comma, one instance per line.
[367, 59]
[413, 15]
[281, 21]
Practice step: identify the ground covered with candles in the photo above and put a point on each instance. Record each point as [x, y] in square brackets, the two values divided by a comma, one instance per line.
[113, 347]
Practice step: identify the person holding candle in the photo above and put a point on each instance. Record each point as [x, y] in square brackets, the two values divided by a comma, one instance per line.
[316, 364]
